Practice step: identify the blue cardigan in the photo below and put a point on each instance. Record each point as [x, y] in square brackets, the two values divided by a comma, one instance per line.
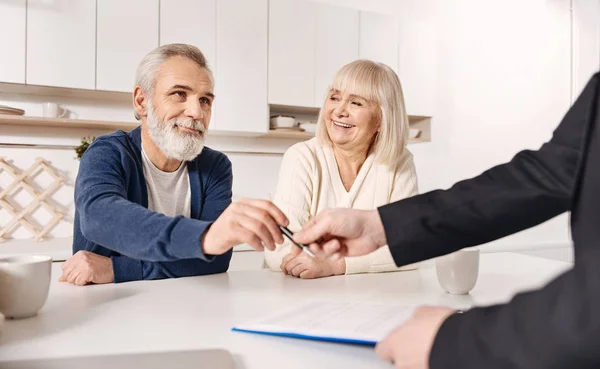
[112, 217]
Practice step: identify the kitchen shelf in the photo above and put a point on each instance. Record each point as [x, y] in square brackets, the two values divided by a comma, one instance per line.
[310, 114]
[420, 122]
[296, 135]
[16, 120]
[303, 136]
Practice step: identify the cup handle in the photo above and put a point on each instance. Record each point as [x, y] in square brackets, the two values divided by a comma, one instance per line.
[64, 112]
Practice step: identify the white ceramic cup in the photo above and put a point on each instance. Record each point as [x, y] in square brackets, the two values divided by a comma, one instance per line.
[53, 110]
[24, 285]
[458, 272]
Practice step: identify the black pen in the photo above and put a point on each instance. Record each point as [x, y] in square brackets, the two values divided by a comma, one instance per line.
[289, 234]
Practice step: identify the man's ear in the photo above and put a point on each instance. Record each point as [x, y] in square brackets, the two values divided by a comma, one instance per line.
[139, 103]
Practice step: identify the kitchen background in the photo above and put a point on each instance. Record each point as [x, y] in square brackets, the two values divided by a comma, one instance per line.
[482, 80]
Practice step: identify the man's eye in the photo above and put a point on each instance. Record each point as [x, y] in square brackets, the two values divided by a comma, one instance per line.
[181, 94]
[205, 100]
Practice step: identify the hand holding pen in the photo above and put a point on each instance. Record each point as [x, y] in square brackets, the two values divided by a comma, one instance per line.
[290, 235]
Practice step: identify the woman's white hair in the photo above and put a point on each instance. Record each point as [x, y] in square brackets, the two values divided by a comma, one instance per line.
[377, 83]
[145, 77]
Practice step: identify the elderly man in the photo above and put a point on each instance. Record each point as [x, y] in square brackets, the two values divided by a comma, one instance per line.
[155, 203]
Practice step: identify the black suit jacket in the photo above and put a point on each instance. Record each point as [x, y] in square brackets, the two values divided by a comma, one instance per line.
[557, 326]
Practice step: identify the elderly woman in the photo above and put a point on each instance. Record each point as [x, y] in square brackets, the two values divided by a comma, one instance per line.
[358, 159]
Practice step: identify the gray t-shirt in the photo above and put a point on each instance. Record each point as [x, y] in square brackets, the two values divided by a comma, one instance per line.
[168, 193]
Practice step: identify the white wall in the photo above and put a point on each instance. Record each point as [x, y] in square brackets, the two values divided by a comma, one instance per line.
[586, 42]
[500, 79]
[503, 84]
[503, 77]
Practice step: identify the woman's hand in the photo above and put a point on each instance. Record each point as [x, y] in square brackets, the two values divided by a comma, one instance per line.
[303, 266]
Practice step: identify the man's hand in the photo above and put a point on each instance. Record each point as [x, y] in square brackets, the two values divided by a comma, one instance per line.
[409, 345]
[86, 267]
[343, 232]
[303, 266]
[255, 222]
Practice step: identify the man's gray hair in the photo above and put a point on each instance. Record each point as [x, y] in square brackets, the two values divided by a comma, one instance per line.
[145, 77]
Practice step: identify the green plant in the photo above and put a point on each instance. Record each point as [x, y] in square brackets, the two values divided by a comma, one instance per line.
[85, 143]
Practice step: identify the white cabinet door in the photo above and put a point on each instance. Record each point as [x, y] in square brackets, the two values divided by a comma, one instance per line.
[190, 22]
[12, 41]
[61, 43]
[292, 52]
[241, 70]
[337, 44]
[379, 39]
[127, 31]
[417, 65]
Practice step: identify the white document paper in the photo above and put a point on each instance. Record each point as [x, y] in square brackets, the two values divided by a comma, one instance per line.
[353, 322]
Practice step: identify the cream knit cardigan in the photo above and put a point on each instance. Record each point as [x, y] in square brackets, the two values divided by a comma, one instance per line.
[309, 182]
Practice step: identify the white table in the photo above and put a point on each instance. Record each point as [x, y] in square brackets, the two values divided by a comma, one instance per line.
[198, 312]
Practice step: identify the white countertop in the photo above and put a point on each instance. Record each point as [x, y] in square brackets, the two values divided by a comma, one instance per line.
[198, 312]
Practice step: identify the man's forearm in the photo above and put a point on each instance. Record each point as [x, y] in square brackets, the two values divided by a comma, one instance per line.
[503, 200]
[127, 269]
[137, 232]
[532, 188]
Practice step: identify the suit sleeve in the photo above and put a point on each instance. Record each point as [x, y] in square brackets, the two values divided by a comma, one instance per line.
[532, 188]
[555, 327]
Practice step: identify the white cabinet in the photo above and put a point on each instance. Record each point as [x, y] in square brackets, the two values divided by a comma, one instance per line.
[379, 39]
[337, 44]
[417, 65]
[12, 41]
[190, 22]
[127, 31]
[61, 43]
[292, 52]
[241, 70]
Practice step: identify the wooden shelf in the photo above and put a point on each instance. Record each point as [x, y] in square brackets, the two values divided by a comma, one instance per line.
[422, 123]
[16, 120]
[303, 113]
[78, 93]
[303, 136]
[300, 136]
[314, 112]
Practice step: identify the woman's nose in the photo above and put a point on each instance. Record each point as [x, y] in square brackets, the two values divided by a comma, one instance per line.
[341, 109]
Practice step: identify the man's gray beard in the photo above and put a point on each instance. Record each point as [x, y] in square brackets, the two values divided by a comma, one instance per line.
[174, 144]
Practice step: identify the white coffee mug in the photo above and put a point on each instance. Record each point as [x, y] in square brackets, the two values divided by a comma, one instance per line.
[24, 285]
[458, 272]
[53, 110]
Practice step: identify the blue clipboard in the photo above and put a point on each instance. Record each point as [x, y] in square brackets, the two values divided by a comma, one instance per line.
[351, 341]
